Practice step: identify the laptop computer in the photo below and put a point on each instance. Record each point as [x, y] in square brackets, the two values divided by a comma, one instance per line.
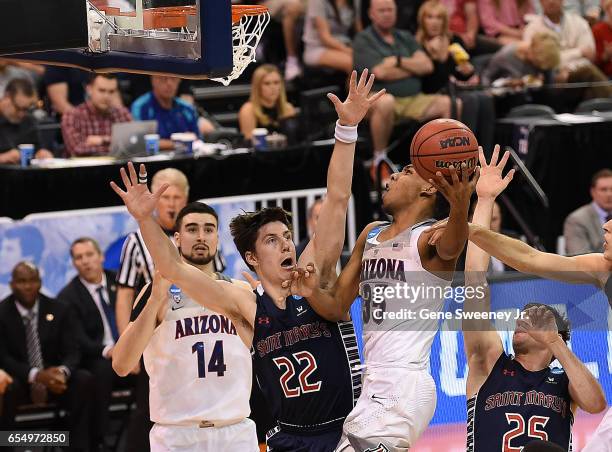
[127, 138]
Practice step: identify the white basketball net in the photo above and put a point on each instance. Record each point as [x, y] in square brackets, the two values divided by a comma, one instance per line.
[246, 35]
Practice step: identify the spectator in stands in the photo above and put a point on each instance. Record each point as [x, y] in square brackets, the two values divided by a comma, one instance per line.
[267, 105]
[17, 125]
[398, 62]
[537, 58]
[65, 87]
[172, 113]
[452, 64]
[577, 48]
[12, 69]
[136, 270]
[504, 20]
[464, 22]
[602, 32]
[5, 380]
[589, 9]
[288, 12]
[87, 128]
[91, 294]
[38, 349]
[582, 227]
[20, 243]
[327, 34]
[312, 216]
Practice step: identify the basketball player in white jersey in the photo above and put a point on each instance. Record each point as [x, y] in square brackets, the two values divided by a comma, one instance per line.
[197, 359]
[389, 261]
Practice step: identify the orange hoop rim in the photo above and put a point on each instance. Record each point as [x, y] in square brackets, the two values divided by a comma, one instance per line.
[239, 11]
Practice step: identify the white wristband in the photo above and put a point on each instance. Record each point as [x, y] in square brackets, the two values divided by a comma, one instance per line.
[346, 134]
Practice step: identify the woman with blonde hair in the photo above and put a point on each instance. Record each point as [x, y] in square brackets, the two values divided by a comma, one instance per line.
[267, 106]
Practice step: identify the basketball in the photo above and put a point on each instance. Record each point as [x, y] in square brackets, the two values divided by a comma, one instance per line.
[442, 144]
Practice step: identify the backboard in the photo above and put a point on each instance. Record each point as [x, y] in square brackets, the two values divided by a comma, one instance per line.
[198, 39]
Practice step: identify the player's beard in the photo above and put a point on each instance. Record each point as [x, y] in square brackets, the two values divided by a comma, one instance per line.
[203, 260]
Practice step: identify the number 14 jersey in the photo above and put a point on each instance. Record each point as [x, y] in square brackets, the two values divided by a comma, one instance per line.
[199, 368]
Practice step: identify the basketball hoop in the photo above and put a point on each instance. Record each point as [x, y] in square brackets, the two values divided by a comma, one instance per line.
[248, 25]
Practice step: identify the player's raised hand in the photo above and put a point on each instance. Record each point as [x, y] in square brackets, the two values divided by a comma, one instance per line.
[539, 322]
[303, 281]
[139, 201]
[459, 191]
[354, 108]
[491, 182]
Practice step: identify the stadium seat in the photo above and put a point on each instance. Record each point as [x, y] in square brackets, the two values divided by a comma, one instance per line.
[531, 110]
[597, 104]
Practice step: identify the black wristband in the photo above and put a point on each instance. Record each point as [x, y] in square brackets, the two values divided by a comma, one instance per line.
[399, 61]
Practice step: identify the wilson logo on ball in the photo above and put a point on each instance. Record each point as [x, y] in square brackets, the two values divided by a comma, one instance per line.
[453, 142]
[469, 163]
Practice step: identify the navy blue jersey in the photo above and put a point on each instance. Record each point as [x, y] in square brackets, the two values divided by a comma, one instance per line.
[305, 365]
[515, 406]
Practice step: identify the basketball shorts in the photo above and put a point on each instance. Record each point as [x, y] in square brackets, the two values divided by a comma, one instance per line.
[278, 440]
[601, 441]
[394, 409]
[179, 438]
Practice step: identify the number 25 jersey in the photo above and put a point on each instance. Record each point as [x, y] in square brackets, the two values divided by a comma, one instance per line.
[200, 370]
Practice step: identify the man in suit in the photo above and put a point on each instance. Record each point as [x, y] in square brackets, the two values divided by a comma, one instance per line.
[38, 350]
[92, 294]
[582, 228]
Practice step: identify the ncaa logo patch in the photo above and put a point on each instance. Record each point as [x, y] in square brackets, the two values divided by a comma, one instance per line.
[177, 297]
[557, 371]
[380, 448]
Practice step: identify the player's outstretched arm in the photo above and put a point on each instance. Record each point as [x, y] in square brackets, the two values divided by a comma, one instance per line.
[333, 303]
[483, 346]
[452, 241]
[133, 341]
[227, 299]
[326, 246]
[585, 269]
[584, 388]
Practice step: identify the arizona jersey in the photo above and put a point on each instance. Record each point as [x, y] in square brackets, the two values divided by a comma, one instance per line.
[516, 406]
[398, 296]
[199, 368]
[305, 365]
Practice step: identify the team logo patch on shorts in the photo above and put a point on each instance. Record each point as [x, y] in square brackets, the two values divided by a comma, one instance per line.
[380, 448]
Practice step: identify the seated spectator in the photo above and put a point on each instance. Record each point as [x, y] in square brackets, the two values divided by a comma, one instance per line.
[172, 113]
[37, 348]
[602, 32]
[87, 128]
[398, 62]
[577, 48]
[582, 227]
[537, 58]
[92, 294]
[267, 106]
[312, 217]
[5, 380]
[65, 87]
[464, 22]
[288, 12]
[12, 69]
[327, 41]
[17, 125]
[475, 108]
[589, 9]
[504, 20]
